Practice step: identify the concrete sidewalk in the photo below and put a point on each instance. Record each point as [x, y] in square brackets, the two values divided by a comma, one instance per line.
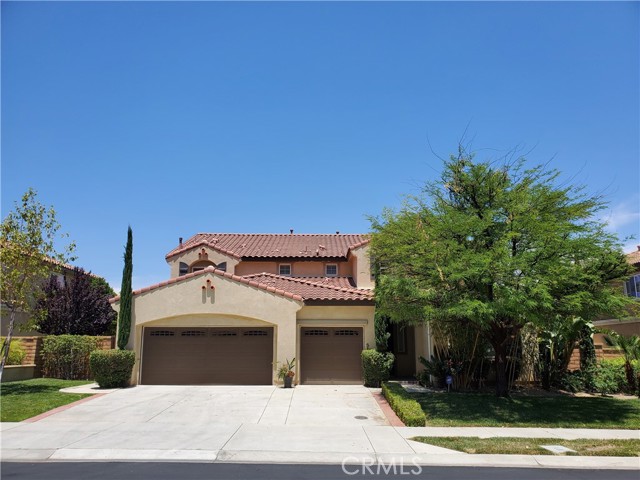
[256, 443]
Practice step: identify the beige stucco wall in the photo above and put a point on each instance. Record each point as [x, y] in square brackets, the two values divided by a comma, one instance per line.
[20, 325]
[298, 269]
[627, 327]
[230, 304]
[361, 267]
[340, 316]
[424, 347]
[192, 256]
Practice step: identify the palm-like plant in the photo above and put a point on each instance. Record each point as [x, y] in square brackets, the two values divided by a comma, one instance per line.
[630, 348]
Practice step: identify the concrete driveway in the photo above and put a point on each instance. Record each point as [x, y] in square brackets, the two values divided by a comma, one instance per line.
[325, 405]
[199, 422]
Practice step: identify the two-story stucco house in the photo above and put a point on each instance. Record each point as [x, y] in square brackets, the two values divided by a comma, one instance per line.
[630, 325]
[237, 304]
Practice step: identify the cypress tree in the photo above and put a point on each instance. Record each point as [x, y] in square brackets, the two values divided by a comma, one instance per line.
[126, 293]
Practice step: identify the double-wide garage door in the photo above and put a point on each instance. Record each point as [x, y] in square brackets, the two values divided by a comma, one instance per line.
[331, 355]
[207, 356]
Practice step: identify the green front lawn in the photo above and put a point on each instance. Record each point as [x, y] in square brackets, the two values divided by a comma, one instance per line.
[473, 409]
[28, 398]
[531, 446]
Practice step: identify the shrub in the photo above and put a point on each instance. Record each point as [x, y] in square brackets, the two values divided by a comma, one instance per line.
[606, 377]
[16, 352]
[67, 356]
[112, 368]
[575, 381]
[610, 377]
[407, 409]
[436, 368]
[376, 367]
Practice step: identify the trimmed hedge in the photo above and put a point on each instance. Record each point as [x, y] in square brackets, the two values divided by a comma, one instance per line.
[112, 368]
[376, 367]
[67, 356]
[407, 409]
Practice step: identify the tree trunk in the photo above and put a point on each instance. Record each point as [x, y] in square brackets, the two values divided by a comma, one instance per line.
[545, 374]
[631, 379]
[502, 384]
[7, 342]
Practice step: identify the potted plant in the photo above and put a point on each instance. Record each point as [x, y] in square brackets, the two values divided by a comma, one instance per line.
[286, 373]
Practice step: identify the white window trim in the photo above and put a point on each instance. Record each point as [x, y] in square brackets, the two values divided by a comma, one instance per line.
[326, 274]
[285, 265]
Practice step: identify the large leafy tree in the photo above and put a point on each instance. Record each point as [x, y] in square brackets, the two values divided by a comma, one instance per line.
[499, 246]
[126, 294]
[77, 306]
[28, 255]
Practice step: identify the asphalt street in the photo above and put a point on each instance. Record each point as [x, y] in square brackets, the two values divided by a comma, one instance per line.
[222, 471]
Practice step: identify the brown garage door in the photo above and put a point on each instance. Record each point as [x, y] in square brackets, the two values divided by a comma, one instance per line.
[205, 356]
[331, 355]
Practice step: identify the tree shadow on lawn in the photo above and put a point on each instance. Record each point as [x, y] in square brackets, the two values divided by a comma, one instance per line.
[37, 385]
[553, 411]
[20, 388]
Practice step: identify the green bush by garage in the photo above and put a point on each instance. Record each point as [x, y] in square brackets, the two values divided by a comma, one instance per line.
[376, 367]
[112, 368]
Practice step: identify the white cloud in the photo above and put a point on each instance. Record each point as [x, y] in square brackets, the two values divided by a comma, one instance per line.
[622, 215]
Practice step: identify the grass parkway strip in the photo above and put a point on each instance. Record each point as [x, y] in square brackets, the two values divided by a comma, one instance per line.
[533, 446]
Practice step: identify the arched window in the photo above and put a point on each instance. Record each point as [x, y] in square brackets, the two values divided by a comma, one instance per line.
[184, 269]
[222, 266]
[201, 265]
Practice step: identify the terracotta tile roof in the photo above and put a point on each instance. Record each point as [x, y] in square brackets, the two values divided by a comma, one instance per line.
[69, 267]
[312, 288]
[634, 257]
[220, 273]
[258, 245]
[340, 282]
[315, 288]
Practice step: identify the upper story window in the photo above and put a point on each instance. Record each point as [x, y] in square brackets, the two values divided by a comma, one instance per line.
[201, 265]
[632, 286]
[331, 269]
[284, 269]
[184, 269]
[222, 266]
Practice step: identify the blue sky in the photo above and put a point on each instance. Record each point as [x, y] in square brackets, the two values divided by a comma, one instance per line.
[180, 118]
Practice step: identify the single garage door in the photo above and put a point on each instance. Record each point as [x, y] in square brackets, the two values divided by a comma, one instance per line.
[331, 355]
[207, 356]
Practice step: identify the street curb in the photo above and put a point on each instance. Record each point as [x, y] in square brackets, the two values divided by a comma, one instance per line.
[335, 458]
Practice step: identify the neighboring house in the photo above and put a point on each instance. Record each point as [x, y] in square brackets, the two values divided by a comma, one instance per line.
[236, 305]
[631, 325]
[62, 272]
